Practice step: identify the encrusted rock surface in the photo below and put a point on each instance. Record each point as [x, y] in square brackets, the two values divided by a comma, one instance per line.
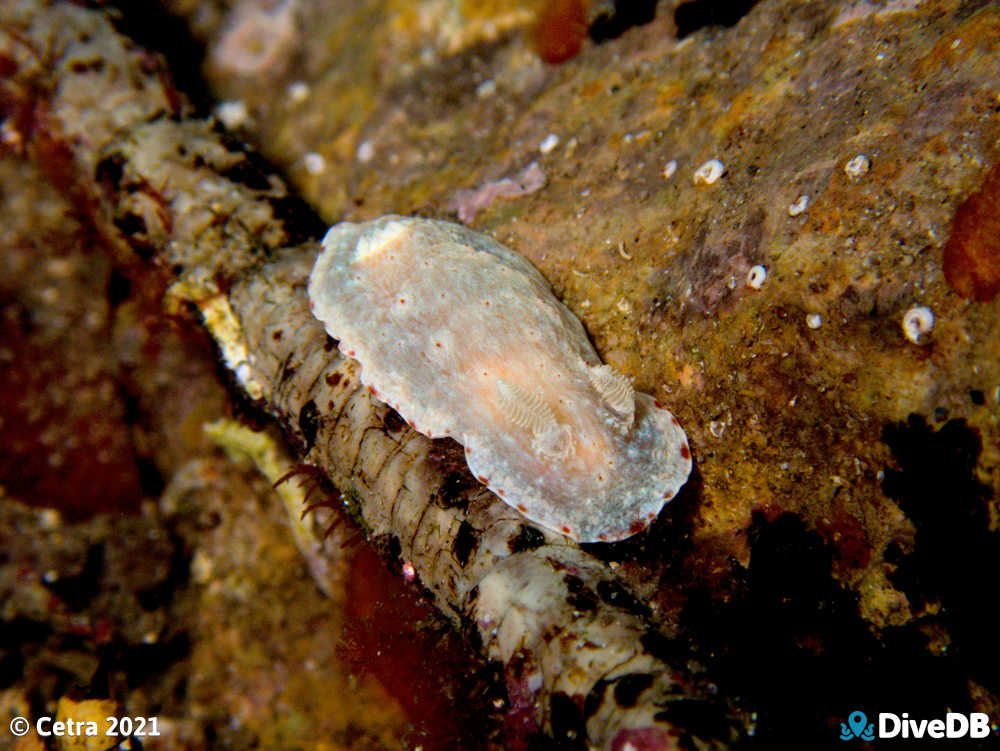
[787, 415]
[829, 544]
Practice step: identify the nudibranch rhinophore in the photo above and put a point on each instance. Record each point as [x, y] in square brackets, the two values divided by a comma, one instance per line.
[464, 338]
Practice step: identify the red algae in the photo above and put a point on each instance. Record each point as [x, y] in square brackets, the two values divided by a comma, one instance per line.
[847, 537]
[972, 255]
[66, 441]
[389, 636]
[560, 29]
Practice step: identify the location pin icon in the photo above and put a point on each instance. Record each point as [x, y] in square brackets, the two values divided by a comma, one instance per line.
[857, 721]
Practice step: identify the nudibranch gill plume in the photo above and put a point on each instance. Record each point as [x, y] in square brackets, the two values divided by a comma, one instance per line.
[464, 338]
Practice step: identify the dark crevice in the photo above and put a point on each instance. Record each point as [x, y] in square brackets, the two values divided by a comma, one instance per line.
[162, 593]
[77, 590]
[136, 665]
[15, 634]
[790, 645]
[153, 28]
[695, 15]
[954, 549]
[625, 15]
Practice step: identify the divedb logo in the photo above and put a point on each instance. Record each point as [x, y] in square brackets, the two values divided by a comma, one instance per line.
[954, 725]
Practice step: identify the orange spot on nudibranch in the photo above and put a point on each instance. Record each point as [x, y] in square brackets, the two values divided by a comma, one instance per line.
[637, 526]
[685, 452]
[522, 508]
[972, 255]
[565, 530]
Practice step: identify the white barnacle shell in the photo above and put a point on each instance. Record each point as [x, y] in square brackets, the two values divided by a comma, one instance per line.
[464, 336]
[709, 172]
[800, 205]
[858, 166]
[918, 322]
[756, 276]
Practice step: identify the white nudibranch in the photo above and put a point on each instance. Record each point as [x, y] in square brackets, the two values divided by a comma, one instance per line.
[466, 339]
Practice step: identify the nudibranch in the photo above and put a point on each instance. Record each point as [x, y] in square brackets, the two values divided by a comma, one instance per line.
[464, 338]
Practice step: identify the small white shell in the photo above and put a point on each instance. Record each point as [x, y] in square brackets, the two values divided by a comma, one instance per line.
[466, 339]
[709, 172]
[814, 320]
[917, 322]
[233, 114]
[756, 277]
[314, 163]
[365, 152]
[858, 166]
[298, 91]
[800, 205]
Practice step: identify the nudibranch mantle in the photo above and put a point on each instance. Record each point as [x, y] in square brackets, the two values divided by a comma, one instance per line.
[464, 338]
